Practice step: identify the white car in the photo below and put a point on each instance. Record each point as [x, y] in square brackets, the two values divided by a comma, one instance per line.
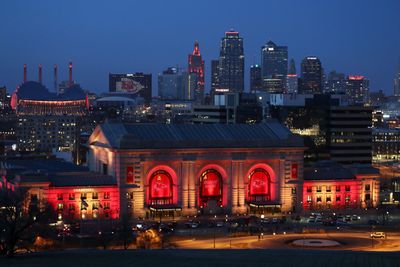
[378, 235]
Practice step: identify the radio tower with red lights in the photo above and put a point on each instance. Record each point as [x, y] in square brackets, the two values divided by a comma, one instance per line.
[196, 66]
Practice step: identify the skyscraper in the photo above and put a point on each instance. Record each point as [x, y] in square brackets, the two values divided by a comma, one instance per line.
[196, 67]
[292, 78]
[336, 83]
[255, 78]
[231, 62]
[311, 76]
[357, 89]
[169, 84]
[396, 89]
[274, 63]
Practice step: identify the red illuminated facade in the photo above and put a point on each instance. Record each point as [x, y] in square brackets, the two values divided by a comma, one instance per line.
[73, 196]
[84, 203]
[329, 186]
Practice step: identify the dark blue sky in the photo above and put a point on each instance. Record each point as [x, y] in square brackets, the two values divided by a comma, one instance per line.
[357, 37]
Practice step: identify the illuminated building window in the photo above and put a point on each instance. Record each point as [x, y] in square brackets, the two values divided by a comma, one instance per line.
[106, 195]
[338, 188]
[347, 199]
[83, 206]
[319, 189]
[328, 188]
[83, 196]
[293, 190]
[106, 206]
[71, 196]
[347, 188]
[95, 195]
[367, 187]
[309, 199]
[60, 206]
[337, 198]
[328, 199]
[59, 196]
[71, 207]
[367, 197]
[309, 189]
[95, 206]
[319, 199]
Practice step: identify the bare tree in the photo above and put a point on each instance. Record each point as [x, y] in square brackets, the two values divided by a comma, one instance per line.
[20, 221]
[125, 229]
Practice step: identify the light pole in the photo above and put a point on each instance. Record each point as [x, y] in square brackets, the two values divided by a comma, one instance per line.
[215, 218]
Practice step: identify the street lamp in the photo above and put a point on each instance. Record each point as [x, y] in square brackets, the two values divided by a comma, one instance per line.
[215, 218]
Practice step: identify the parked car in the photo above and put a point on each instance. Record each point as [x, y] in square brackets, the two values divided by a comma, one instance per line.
[220, 224]
[192, 224]
[378, 235]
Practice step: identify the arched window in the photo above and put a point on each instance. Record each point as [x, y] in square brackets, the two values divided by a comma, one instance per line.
[211, 184]
[259, 185]
[161, 188]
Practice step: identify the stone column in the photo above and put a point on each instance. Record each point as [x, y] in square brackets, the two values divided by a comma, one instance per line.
[238, 187]
[188, 189]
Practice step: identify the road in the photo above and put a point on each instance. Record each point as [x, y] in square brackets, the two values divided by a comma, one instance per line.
[349, 240]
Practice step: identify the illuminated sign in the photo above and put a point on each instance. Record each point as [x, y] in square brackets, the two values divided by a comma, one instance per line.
[83, 189]
[222, 90]
[129, 175]
[211, 184]
[294, 171]
[160, 185]
[128, 85]
[259, 183]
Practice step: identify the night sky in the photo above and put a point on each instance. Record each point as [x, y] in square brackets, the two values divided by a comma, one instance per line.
[355, 37]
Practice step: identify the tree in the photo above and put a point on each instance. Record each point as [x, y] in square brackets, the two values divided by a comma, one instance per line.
[21, 220]
[125, 229]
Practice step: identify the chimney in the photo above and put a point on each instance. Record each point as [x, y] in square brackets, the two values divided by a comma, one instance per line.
[40, 73]
[70, 73]
[55, 78]
[25, 73]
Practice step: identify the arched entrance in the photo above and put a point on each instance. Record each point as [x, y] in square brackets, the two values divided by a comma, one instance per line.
[160, 188]
[259, 192]
[210, 195]
[161, 195]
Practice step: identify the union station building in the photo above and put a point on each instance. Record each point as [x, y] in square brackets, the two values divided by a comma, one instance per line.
[186, 170]
[152, 170]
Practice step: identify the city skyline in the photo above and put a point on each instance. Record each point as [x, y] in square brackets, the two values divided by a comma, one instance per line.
[344, 40]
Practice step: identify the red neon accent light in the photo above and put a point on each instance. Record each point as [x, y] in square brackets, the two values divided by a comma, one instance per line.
[211, 184]
[161, 185]
[196, 51]
[356, 77]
